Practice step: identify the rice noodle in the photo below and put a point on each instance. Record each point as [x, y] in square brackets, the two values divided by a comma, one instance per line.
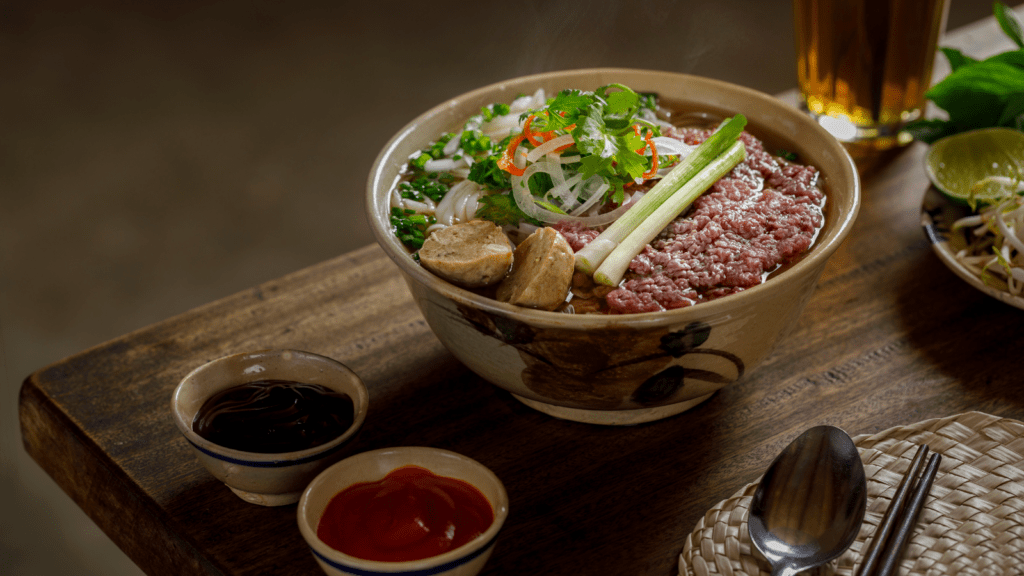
[443, 165]
[451, 209]
[421, 207]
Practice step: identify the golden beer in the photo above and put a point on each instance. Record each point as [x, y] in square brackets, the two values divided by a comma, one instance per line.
[864, 65]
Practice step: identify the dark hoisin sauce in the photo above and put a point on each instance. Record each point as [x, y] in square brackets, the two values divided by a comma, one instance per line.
[274, 416]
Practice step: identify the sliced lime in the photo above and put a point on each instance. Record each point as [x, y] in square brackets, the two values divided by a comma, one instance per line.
[978, 167]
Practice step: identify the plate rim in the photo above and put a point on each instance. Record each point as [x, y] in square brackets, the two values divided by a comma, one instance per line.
[935, 206]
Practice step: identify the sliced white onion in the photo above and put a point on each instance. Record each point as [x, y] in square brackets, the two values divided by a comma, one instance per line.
[519, 157]
[597, 187]
[652, 117]
[527, 203]
[566, 192]
[501, 126]
[524, 103]
[452, 144]
[550, 146]
[671, 146]
[545, 166]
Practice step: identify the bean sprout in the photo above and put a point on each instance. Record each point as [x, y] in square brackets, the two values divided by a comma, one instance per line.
[995, 244]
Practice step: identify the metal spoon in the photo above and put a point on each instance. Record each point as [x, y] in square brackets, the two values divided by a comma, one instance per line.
[810, 503]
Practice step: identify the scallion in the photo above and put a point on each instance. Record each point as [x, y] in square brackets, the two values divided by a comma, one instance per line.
[614, 266]
[591, 256]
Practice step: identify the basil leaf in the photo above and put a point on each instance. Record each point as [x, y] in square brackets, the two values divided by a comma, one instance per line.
[929, 131]
[1010, 24]
[976, 95]
[1013, 114]
[956, 58]
[1013, 58]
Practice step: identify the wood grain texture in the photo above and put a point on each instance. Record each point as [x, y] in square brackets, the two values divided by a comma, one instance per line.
[890, 337]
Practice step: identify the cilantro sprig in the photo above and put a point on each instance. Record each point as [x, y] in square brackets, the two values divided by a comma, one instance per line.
[603, 131]
[603, 124]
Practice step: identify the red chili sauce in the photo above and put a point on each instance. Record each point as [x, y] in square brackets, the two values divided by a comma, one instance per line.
[410, 514]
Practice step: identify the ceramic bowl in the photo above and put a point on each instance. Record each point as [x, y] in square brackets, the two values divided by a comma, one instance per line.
[374, 465]
[622, 369]
[267, 479]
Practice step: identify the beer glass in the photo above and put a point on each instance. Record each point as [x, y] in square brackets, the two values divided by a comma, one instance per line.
[864, 65]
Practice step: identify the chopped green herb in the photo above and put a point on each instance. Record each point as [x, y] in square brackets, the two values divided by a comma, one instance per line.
[502, 209]
[430, 186]
[436, 149]
[410, 227]
[494, 110]
[420, 161]
[487, 174]
[539, 184]
[786, 154]
[475, 141]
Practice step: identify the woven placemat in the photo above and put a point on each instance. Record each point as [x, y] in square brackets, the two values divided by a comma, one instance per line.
[972, 522]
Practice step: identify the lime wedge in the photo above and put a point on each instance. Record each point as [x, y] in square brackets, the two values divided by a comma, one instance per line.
[978, 167]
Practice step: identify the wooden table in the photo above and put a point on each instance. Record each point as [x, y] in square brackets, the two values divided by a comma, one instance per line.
[890, 337]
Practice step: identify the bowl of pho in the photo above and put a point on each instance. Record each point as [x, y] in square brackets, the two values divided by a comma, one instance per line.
[612, 245]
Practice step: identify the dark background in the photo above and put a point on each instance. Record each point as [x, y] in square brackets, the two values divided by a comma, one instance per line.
[156, 156]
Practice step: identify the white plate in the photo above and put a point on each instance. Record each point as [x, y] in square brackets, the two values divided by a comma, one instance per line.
[937, 215]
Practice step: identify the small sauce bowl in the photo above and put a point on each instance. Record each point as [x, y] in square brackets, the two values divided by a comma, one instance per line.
[267, 479]
[374, 465]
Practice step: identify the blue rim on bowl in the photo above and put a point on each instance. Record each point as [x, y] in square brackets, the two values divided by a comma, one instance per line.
[273, 479]
[372, 466]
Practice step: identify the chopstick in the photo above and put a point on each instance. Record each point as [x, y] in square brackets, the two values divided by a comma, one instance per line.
[887, 547]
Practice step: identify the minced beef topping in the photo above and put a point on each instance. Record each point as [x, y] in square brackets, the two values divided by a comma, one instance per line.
[763, 214]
